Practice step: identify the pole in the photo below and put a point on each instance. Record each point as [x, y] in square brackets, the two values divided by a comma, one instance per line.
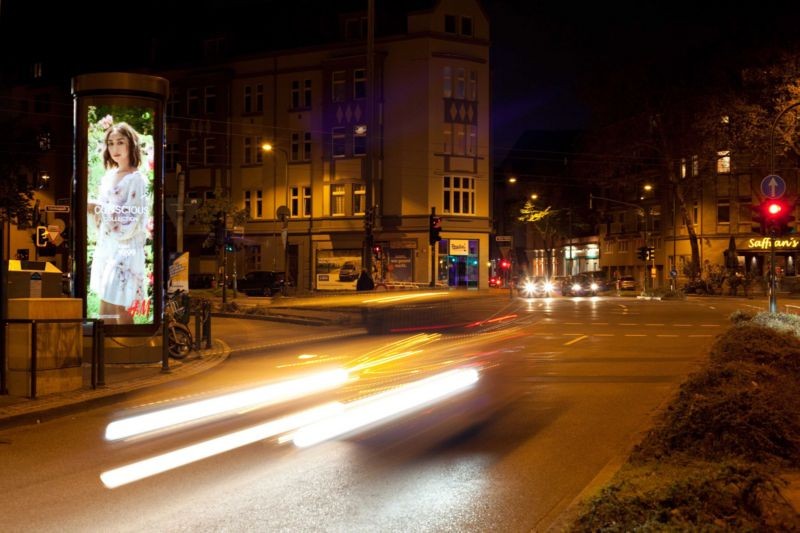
[372, 129]
[180, 210]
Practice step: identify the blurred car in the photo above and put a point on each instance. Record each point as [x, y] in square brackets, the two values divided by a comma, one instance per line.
[261, 283]
[536, 287]
[582, 285]
[202, 281]
[348, 272]
[626, 283]
[495, 282]
[600, 278]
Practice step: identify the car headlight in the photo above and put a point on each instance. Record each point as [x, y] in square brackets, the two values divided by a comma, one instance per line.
[594, 286]
[528, 287]
[548, 287]
[576, 287]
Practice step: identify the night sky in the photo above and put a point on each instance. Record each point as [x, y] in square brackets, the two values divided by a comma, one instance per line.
[556, 65]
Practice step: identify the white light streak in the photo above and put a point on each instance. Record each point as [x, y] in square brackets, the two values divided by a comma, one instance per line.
[382, 406]
[203, 450]
[387, 299]
[257, 397]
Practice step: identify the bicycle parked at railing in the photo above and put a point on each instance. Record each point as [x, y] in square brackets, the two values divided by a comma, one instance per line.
[179, 336]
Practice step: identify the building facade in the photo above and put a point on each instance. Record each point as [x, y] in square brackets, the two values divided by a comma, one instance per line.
[340, 161]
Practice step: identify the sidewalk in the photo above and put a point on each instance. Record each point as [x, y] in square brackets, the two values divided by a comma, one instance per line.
[121, 379]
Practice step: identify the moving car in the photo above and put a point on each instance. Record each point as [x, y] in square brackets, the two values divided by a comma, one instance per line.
[536, 287]
[495, 282]
[261, 283]
[583, 285]
[627, 283]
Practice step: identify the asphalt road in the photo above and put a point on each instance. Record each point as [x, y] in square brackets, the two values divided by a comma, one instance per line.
[566, 387]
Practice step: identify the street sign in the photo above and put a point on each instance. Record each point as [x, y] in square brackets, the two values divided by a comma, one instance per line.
[673, 273]
[773, 186]
[56, 208]
[503, 238]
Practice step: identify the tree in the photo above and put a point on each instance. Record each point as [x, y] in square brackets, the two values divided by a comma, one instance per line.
[546, 224]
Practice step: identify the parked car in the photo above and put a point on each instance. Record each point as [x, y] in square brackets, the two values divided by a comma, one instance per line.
[348, 272]
[261, 283]
[626, 283]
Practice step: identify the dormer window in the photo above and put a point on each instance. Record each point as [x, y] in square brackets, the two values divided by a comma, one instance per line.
[459, 25]
[450, 24]
[466, 26]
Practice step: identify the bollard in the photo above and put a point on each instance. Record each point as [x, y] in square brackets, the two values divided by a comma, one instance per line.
[198, 340]
[207, 322]
[101, 353]
[33, 360]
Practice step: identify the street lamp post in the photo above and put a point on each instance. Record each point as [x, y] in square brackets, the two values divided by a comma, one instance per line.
[281, 214]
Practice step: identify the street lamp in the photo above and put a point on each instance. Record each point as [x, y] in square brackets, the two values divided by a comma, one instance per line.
[281, 213]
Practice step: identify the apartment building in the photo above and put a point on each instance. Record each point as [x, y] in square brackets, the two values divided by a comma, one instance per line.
[310, 197]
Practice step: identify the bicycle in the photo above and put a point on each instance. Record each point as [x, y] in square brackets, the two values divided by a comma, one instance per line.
[179, 336]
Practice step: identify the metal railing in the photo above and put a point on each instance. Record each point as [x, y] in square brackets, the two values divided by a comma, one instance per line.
[98, 353]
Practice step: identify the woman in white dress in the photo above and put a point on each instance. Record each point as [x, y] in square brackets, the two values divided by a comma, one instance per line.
[121, 213]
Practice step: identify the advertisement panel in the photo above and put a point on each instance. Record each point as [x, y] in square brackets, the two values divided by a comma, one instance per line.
[118, 199]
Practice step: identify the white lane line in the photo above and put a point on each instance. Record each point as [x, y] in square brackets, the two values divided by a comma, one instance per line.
[682, 325]
[603, 334]
[628, 324]
[573, 323]
[654, 324]
[635, 335]
[598, 323]
[709, 325]
[573, 341]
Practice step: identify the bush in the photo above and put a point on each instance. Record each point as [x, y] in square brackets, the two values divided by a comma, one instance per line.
[759, 344]
[739, 316]
[727, 497]
[737, 409]
[783, 322]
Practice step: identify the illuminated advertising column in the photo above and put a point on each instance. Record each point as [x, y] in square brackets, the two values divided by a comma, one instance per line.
[118, 199]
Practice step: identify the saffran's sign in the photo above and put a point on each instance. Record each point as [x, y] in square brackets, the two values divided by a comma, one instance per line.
[763, 244]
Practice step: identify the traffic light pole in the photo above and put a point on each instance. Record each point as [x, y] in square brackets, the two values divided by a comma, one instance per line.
[773, 281]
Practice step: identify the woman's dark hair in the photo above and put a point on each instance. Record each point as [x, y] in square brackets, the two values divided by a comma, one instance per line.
[134, 152]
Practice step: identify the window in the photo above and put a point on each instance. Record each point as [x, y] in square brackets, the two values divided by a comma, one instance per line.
[359, 83]
[359, 199]
[247, 155]
[257, 150]
[247, 204]
[695, 213]
[447, 138]
[295, 94]
[472, 142]
[338, 138]
[38, 70]
[45, 141]
[459, 195]
[41, 103]
[209, 147]
[210, 100]
[294, 201]
[306, 201]
[683, 167]
[295, 148]
[460, 87]
[193, 101]
[259, 204]
[355, 28]
[466, 26]
[337, 88]
[695, 166]
[447, 82]
[307, 94]
[472, 90]
[212, 48]
[724, 162]
[171, 153]
[337, 200]
[192, 153]
[450, 24]
[360, 139]
[307, 146]
[173, 105]
[259, 98]
[461, 139]
[723, 211]
[247, 106]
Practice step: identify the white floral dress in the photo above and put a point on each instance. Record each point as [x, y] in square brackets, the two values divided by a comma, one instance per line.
[118, 265]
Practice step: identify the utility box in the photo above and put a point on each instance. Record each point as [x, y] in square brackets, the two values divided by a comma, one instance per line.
[33, 279]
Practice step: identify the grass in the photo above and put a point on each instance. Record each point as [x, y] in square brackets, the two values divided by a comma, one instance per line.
[713, 460]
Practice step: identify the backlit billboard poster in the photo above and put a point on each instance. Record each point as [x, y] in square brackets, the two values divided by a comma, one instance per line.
[119, 204]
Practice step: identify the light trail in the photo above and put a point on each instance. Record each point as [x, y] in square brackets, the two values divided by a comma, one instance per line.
[257, 397]
[399, 298]
[203, 450]
[381, 407]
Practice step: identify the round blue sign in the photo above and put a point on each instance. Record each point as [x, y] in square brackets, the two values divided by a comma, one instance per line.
[773, 186]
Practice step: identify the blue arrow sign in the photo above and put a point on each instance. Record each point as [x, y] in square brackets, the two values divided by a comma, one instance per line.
[773, 186]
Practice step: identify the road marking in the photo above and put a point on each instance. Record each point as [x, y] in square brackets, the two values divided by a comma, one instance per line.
[573, 323]
[603, 334]
[654, 324]
[598, 323]
[682, 325]
[635, 335]
[573, 341]
[709, 325]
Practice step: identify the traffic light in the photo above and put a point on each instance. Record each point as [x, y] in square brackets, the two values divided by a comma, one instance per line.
[376, 251]
[642, 253]
[41, 236]
[435, 229]
[229, 246]
[504, 264]
[651, 253]
[776, 217]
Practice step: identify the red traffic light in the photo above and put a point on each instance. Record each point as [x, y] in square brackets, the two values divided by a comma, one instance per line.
[504, 264]
[774, 208]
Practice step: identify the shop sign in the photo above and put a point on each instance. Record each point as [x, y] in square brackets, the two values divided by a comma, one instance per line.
[764, 244]
[459, 247]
